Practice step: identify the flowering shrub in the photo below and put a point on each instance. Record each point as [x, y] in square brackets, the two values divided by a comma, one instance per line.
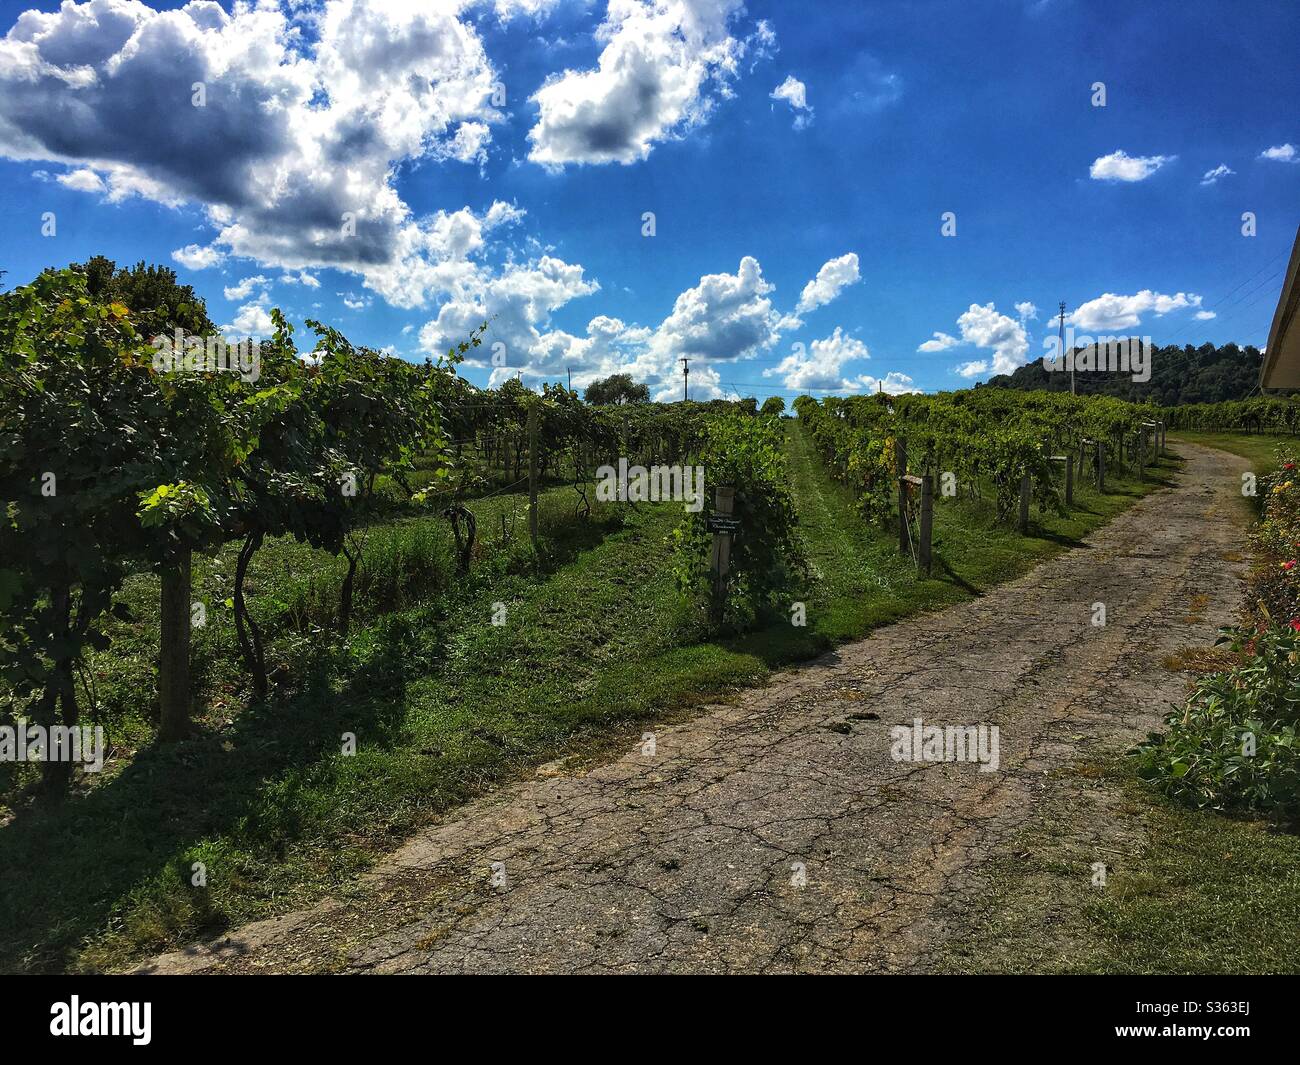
[1235, 743]
[1275, 579]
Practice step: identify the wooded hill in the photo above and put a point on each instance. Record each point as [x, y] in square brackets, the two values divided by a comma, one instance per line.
[1178, 375]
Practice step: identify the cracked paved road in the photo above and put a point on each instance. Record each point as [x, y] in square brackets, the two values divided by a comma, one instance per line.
[689, 860]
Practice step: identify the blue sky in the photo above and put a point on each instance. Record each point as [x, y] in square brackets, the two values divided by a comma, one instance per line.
[497, 160]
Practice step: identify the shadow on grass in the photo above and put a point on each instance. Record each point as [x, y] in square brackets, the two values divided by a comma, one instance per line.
[68, 866]
[952, 575]
[1037, 532]
[120, 856]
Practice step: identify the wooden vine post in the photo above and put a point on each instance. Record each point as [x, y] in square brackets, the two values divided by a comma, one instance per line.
[532, 471]
[926, 531]
[927, 522]
[1068, 461]
[900, 469]
[174, 650]
[1023, 523]
[722, 523]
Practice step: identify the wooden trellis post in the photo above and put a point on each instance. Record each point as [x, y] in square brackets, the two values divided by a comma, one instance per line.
[723, 526]
[174, 650]
[1068, 460]
[1151, 428]
[1023, 523]
[900, 468]
[532, 472]
[926, 523]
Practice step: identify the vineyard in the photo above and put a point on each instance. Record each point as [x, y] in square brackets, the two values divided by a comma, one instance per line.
[982, 437]
[1262, 415]
[312, 610]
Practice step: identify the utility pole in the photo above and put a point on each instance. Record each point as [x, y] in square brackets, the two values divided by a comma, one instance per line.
[1061, 335]
[569, 371]
[686, 379]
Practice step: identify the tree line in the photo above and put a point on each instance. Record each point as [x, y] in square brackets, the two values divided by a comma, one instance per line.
[1179, 375]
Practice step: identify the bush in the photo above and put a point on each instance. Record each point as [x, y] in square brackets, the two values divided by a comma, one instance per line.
[1234, 744]
[1275, 579]
[766, 555]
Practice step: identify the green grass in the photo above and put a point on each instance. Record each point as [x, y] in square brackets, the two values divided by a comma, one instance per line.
[443, 703]
[1196, 892]
[1193, 891]
[1260, 449]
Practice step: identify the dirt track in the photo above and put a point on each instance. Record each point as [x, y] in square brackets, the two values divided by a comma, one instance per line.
[691, 859]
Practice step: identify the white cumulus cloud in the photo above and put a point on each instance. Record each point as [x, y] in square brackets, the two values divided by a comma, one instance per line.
[795, 93]
[821, 365]
[1282, 153]
[832, 279]
[663, 64]
[1110, 311]
[939, 342]
[84, 180]
[1212, 177]
[307, 113]
[892, 384]
[194, 257]
[724, 318]
[245, 288]
[1119, 166]
[251, 320]
[1004, 336]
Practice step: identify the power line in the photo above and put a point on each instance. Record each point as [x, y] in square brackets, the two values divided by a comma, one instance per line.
[1223, 303]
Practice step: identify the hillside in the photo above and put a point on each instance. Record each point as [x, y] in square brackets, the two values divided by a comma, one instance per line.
[1178, 375]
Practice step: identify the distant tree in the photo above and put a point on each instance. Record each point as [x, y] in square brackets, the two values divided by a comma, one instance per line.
[773, 405]
[617, 388]
[1179, 375]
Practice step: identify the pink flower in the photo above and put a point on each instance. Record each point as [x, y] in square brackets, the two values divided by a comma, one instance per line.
[1295, 624]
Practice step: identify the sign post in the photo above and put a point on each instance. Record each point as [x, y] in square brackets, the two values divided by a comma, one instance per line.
[723, 524]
